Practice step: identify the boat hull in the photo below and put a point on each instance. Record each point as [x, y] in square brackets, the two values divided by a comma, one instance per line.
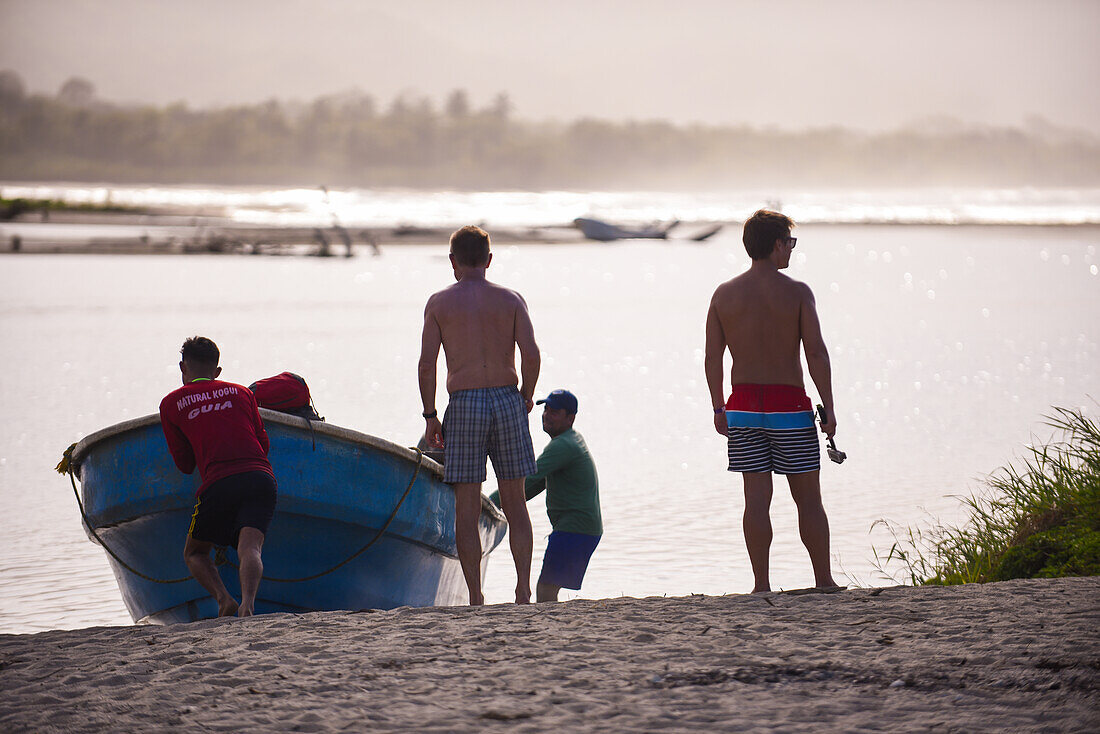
[337, 490]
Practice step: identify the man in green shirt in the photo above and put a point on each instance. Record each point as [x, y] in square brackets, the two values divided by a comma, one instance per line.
[567, 473]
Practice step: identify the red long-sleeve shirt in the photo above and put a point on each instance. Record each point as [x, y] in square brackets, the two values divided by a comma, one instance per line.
[215, 426]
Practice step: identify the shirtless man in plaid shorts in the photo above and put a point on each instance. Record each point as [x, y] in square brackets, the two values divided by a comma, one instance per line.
[479, 325]
[762, 317]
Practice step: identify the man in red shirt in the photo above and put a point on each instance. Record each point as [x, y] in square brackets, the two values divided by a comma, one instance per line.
[216, 426]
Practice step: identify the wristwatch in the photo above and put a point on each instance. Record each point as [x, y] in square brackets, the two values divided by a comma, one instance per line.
[433, 414]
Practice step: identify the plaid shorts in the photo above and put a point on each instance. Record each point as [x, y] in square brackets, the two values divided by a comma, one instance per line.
[486, 421]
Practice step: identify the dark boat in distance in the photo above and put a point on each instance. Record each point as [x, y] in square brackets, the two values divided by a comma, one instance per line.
[361, 523]
[600, 231]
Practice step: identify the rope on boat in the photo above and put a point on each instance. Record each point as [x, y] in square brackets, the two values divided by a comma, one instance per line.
[65, 466]
[372, 541]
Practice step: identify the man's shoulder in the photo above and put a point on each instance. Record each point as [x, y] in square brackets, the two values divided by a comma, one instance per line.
[173, 396]
[568, 441]
[206, 386]
[734, 284]
[506, 294]
[484, 285]
[453, 290]
[475, 293]
[731, 283]
[440, 295]
[461, 287]
[786, 283]
[216, 388]
[225, 383]
[801, 288]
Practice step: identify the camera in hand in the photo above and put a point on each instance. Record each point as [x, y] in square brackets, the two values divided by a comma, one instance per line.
[835, 455]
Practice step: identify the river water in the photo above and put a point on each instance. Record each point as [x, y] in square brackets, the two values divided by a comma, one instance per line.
[949, 344]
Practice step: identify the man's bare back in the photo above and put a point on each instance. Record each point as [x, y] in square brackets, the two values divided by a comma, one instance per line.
[478, 324]
[760, 314]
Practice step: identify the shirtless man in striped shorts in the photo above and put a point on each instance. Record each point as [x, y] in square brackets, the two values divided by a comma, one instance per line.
[762, 317]
[480, 325]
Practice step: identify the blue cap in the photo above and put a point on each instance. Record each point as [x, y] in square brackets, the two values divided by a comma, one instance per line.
[560, 400]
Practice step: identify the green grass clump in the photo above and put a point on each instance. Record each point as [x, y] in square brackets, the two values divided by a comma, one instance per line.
[1039, 521]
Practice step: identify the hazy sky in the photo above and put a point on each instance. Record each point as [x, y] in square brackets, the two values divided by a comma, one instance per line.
[873, 65]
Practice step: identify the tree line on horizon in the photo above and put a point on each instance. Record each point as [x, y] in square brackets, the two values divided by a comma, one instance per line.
[349, 139]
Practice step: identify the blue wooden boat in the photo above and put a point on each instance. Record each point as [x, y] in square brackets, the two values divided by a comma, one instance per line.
[340, 491]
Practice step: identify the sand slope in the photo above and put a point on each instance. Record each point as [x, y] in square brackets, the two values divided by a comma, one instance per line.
[1020, 656]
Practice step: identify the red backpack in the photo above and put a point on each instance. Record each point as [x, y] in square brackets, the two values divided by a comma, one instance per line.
[286, 392]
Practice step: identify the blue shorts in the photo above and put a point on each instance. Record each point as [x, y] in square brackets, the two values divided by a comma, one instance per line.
[486, 422]
[566, 559]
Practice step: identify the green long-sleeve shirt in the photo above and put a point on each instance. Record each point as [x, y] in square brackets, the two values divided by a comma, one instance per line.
[568, 474]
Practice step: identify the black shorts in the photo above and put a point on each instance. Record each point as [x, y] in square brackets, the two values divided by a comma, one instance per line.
[244, 500]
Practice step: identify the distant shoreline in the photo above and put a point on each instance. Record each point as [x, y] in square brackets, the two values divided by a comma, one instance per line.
[176, 231]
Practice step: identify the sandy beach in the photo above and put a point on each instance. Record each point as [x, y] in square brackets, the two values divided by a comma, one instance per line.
[1018, 656]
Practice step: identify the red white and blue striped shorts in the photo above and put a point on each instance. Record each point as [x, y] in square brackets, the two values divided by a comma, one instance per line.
[486, 421]
[771, 429]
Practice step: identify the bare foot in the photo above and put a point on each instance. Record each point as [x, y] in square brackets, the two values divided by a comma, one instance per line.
[244, 612]
[765, 590]
[830, 588]
[228, 607]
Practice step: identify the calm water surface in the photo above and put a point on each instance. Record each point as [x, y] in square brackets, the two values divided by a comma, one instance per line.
[948, 346]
